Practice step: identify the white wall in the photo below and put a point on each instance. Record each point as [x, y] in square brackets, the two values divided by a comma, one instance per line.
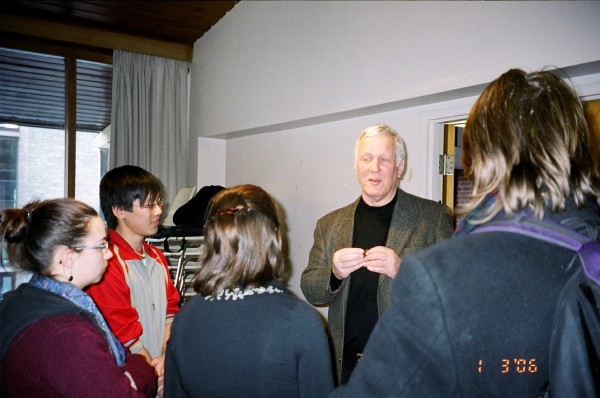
[310, 170]
[211, 171]
[290, 84]
[271, 62]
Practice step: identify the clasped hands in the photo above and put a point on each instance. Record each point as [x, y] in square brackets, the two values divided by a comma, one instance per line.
[158, 363]
[159, 368]
[378, 259]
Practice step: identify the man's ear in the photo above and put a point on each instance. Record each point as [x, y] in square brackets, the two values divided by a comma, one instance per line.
[118, 213]
[401, 168]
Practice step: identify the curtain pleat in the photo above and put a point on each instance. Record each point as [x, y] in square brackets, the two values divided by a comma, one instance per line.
[149, 117]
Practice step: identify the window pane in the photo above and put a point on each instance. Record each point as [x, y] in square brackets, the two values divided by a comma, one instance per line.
[32, 133]
[94, 90]
[32, 89]
[8, 170]
[32, 97]
[41, 164]
[88, 160]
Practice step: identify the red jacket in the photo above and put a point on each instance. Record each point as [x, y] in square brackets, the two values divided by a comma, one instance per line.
[113, 295]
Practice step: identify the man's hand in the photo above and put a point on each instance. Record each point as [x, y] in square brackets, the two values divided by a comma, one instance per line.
[347, 260]
[382, 260]
[159, 368]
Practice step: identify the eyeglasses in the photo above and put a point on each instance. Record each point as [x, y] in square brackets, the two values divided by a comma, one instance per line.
[158, 203]
[103, 247]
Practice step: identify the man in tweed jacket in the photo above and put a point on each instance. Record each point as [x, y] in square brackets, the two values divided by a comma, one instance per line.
[365, 242]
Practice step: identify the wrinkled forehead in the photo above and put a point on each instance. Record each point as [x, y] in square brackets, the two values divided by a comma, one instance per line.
[377, 145]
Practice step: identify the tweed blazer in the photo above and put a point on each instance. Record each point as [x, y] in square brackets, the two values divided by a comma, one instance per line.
[416, 223]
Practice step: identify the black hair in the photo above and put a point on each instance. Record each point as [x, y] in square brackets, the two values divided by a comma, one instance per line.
[121, 186]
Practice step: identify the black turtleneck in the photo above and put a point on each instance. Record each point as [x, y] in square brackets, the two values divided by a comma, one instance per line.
[371, 226]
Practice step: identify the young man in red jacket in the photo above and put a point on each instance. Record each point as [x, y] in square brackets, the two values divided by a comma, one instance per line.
[136, 295]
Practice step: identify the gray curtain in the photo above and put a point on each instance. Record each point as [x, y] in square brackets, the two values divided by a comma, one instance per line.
[150, 117]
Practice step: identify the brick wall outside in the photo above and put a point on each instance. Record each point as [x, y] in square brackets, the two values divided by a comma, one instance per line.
[462, 190]
[41, 175]
[41, 170]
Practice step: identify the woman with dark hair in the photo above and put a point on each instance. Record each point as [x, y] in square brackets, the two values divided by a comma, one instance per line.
[245, 334]
[53, 340]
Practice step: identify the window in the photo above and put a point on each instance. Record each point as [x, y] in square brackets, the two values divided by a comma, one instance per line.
[33, 143]
[9, 142]
[32, 97]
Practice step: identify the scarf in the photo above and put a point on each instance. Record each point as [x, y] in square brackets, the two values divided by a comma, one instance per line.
[473, 219]
[85, 302]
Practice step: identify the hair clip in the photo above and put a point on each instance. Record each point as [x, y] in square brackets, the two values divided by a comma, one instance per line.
[28, 215]
[231, 211]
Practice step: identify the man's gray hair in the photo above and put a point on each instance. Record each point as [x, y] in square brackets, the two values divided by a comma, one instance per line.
[383, 129]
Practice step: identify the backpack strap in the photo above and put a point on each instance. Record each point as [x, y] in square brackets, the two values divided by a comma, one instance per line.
[587, 250]
[590, 258]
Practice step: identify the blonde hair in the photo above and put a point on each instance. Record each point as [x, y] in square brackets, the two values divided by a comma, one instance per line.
[527, 142]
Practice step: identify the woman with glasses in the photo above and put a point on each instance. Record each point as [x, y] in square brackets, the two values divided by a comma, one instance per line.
[54, 342]
[245, 335]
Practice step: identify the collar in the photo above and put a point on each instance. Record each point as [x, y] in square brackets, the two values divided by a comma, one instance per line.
[125, 250]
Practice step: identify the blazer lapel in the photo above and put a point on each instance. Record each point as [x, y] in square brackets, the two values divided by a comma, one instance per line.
[343, 229]
[401, 227]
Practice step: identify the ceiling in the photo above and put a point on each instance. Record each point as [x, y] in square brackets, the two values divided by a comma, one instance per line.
[165, 28]
[31, 89]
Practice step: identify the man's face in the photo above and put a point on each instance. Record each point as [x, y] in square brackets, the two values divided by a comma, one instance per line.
[142, 221]
[376, 169]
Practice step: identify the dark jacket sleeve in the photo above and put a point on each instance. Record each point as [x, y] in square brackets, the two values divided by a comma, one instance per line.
[173, 387]
[315, 371]
[575, 341]
[408, 343]
[315, 280]
[141, 373]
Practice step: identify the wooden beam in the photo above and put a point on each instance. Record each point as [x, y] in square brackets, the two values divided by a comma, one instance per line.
[61, 49]
[70, 125]
[94, 38]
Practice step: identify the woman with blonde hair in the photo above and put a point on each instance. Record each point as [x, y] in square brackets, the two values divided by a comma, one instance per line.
[245, 334]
